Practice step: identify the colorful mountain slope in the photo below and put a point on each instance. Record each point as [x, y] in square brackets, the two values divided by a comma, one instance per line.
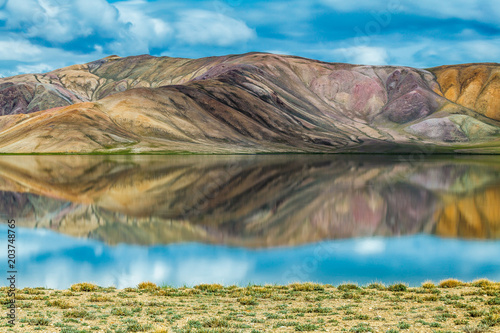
[250, 103]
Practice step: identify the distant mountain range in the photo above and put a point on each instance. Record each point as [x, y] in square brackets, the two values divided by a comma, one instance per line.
[250, 103]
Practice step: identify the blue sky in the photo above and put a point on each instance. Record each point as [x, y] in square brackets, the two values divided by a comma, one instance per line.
[40, 35]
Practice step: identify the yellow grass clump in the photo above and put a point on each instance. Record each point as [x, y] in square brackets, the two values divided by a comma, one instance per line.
[451, 283]
[428, 285]
[84, 286]
[147, 286]
[307, 286]
[59, 303]
[483, 283]
[209, 287]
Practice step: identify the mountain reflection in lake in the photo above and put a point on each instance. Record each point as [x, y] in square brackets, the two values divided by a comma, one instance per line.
[278, 211]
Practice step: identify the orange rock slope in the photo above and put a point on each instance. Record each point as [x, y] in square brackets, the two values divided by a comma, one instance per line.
[475, 86]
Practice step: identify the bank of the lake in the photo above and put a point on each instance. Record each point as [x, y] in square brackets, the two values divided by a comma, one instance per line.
[451, 306]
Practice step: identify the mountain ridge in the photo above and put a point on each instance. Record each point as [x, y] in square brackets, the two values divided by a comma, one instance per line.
[250, 103]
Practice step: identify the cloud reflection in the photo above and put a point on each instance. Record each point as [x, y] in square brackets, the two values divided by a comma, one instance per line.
[60, 261]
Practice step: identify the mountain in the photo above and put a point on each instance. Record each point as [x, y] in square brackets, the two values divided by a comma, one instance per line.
[250, 103]
[251, 201]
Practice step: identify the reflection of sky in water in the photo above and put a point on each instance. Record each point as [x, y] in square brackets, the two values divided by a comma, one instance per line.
[48, 259]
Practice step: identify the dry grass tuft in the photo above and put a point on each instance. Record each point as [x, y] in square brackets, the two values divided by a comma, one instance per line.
[247, 300]
[307, 286]
[376, 285]
[451, 283]
[59, 303]
[483, 283]
[428, 285]
[84, 286]
[147, 286]
[209, 287]
[398, 287]
[348, 287]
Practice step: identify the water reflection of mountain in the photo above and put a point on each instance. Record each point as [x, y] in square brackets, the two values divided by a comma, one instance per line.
[254, 201]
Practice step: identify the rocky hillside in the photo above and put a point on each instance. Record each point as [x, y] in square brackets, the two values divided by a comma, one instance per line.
[475, 86]
[250, 103]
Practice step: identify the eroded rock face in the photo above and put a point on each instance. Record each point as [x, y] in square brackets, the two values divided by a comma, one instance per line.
[15, 98]
[409, 97]
[29, 97]
[475, 86]
[438, 129]
[359, 93]
[246, 104]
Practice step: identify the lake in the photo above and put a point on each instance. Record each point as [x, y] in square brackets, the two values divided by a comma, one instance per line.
[185, 220]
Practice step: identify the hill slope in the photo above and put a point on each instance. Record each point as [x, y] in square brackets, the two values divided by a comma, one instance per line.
[250, 103]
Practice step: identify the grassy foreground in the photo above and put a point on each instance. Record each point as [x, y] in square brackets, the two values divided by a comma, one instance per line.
[452, 306]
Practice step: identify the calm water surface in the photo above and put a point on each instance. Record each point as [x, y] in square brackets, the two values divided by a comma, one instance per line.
[116, 220]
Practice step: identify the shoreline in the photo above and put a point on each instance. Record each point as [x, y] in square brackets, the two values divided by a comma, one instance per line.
[450, 306]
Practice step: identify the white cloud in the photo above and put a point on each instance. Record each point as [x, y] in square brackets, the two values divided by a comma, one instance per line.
[12, 49]
[363, 55]
[428, 52]
[125, 27]
[477, 48]
[205, 27]
[174, 28]
[480, 10]
[278, 52]
[59, 21]
[142, 27]
[299, 10]
[56, 21]
[423, 52]
[370, 246]
[347, 6]
[36, 68]
[32, 58]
